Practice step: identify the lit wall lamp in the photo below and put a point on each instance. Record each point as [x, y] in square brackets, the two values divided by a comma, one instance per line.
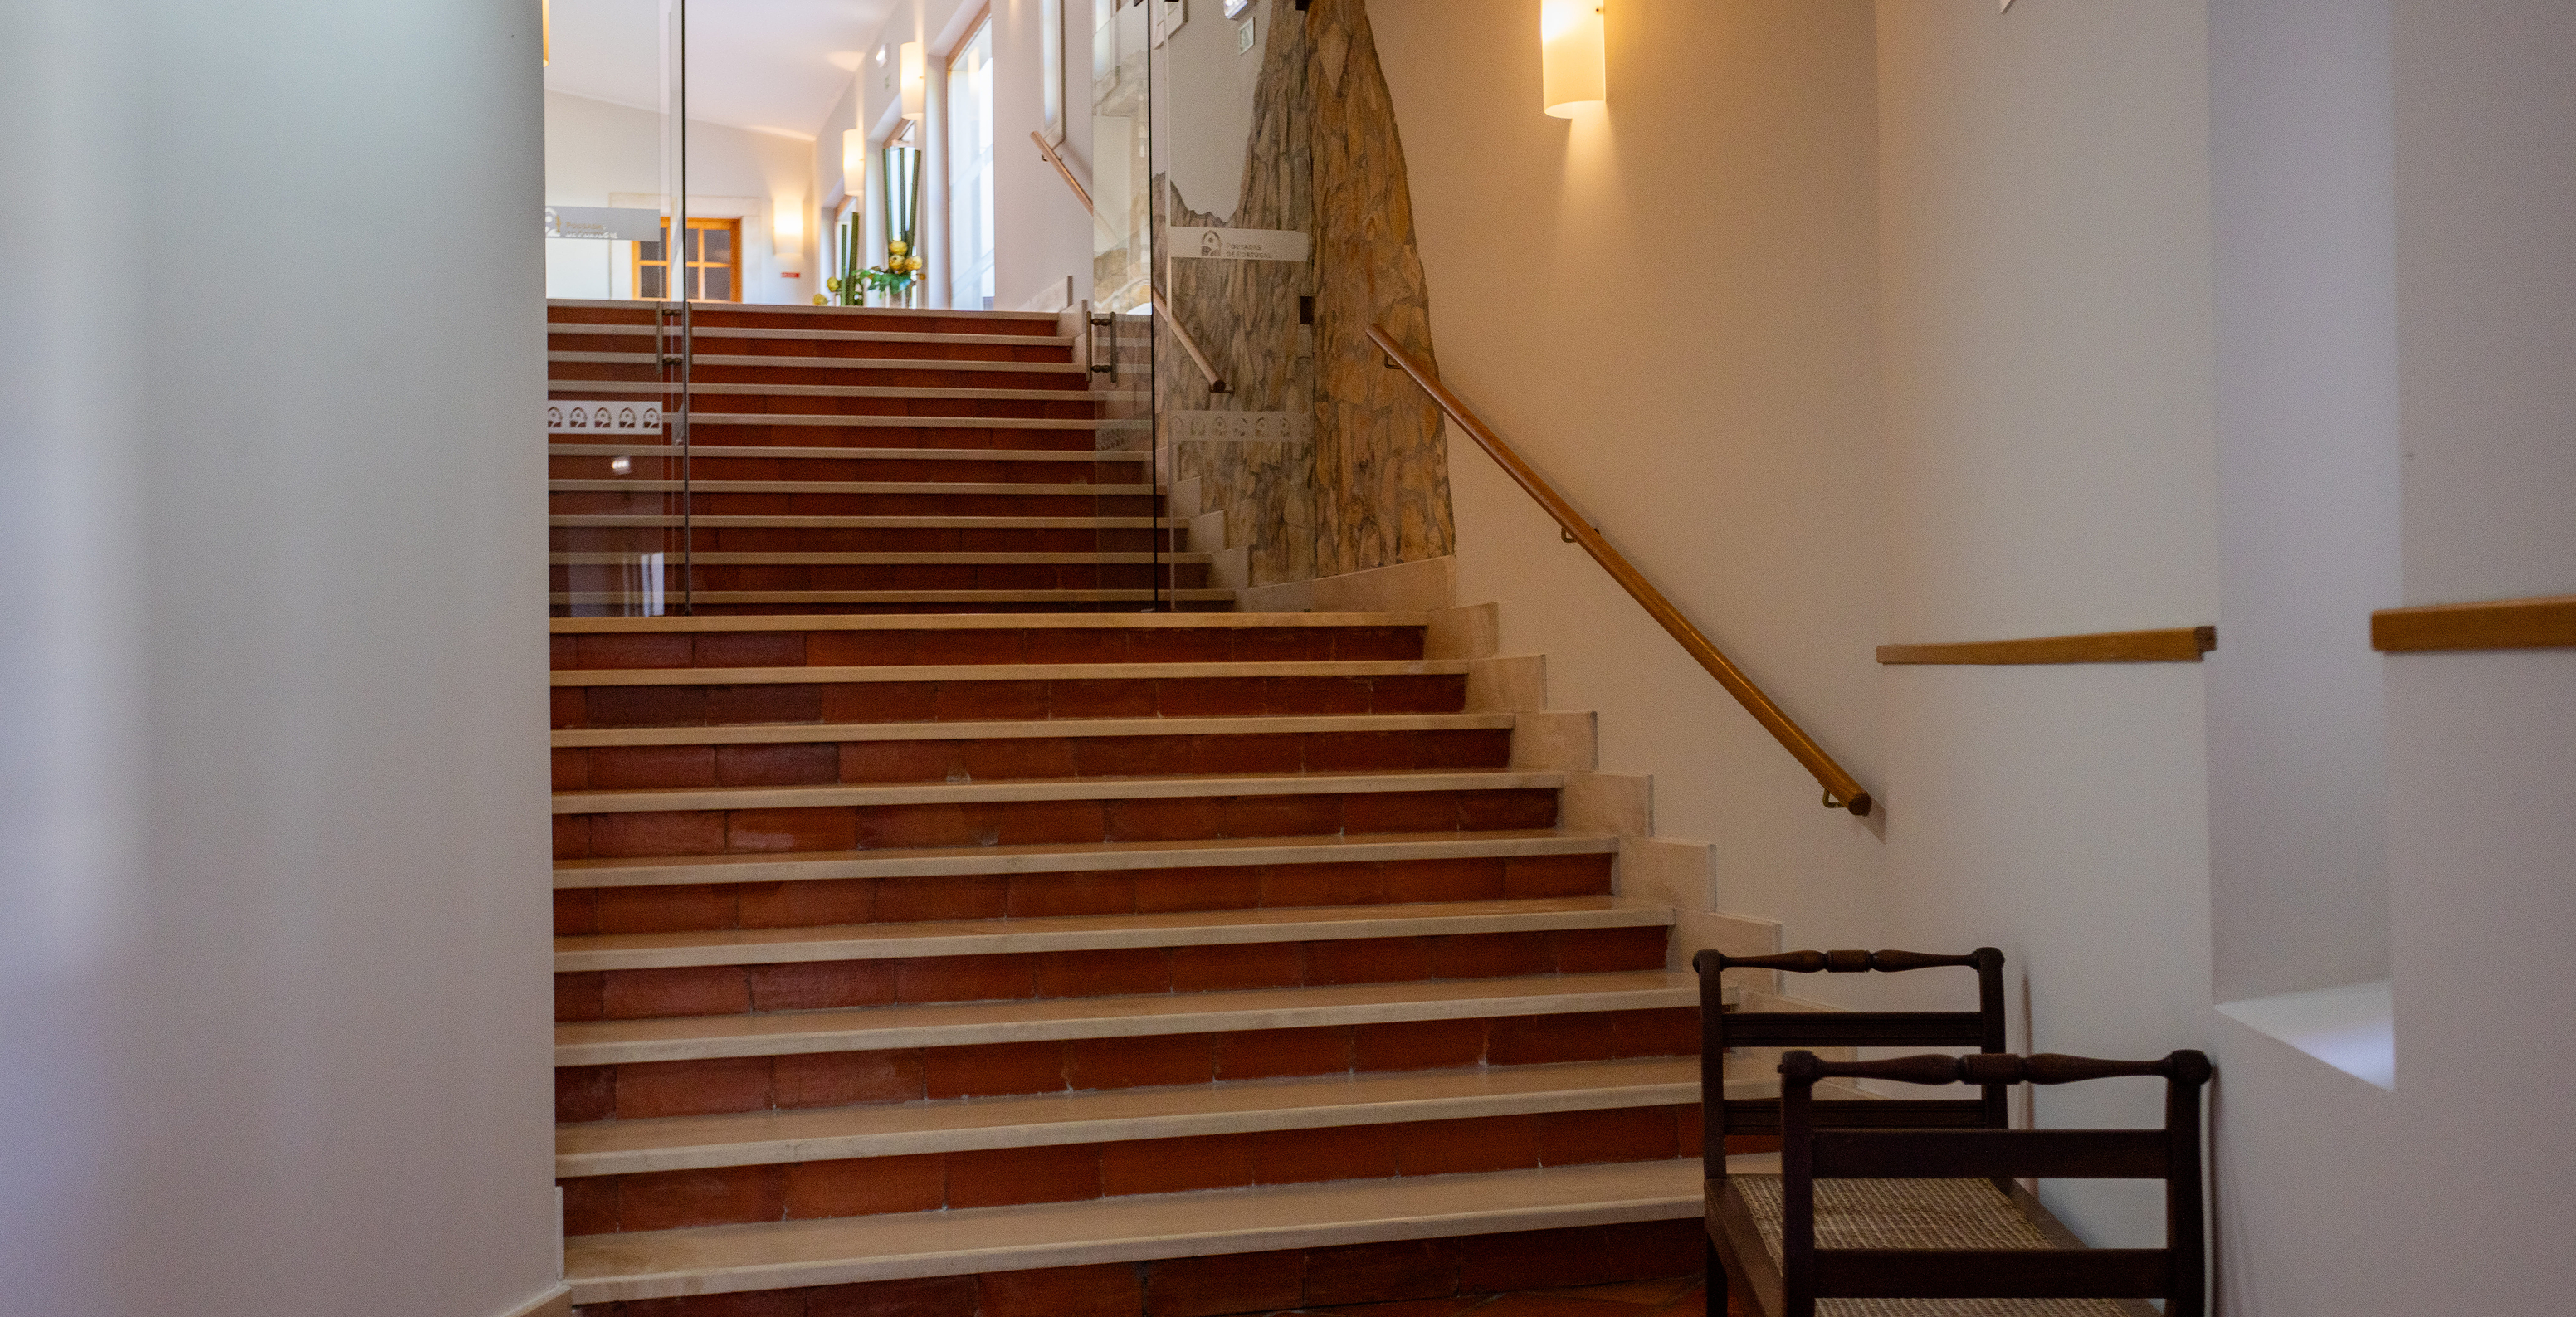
[1569, 34]
[787, 229]
[913, 83]
[854, 161]
[546, 33]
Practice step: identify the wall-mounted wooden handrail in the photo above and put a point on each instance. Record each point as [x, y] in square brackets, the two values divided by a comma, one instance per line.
[1216, 382]
[1842, 790]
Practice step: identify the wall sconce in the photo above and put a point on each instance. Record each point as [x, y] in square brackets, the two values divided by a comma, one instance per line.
[1569, 34]
[854, 161]
[913, 82]
[787, 229]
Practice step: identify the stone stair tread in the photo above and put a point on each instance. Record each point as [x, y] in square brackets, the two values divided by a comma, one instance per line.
[733, 360]
[959, 1024]
[698, 418]
[984, 622]
[716, 521]
[571, 385]
[826, 558]
[1003, 671]
[571, 327]
[671, 452]
[969, 937]
[1276, 724]
[1077, 857]
[625, 1147]
[619, 485]
[774, 1255]
[1056, 788]
[714, 597]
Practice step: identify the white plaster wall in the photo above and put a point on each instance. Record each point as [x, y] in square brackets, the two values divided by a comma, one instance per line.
[273, 964]
[2482, 747]
[1857, 324]
[595, 150]
[1670, 309]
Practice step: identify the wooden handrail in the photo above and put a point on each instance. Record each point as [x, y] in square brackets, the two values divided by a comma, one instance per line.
[1216, 382]
[1842, 790]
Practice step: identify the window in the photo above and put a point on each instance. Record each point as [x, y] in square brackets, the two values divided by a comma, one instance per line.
[711, 261]
[970, 170]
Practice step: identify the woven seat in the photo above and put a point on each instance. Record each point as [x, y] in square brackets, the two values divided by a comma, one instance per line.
[1913, 1214]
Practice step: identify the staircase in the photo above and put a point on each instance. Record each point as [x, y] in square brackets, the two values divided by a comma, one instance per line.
[918, 957]
[856, 461]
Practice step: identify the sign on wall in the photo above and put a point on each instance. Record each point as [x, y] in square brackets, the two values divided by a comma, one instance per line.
[1241, 427]
[613, 223]
[1238, 244]
[615, 418]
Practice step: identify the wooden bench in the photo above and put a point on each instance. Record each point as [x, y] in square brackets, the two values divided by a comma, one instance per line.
[1896, 1222]
[1721, 1029]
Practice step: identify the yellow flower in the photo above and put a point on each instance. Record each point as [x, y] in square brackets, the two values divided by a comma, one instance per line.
[898, 247]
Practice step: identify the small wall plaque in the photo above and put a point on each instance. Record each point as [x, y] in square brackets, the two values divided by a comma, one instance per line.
[1240, 427]
[1239, 244]
[614, 418]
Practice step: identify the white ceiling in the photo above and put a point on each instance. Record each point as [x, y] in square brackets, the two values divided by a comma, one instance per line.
[759, 64]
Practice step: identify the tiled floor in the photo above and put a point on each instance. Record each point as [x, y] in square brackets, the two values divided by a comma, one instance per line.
[1643, 1298]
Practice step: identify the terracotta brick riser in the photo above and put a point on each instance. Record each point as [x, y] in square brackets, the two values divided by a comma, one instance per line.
[864, 539]
[649, 1089]
[1238, 1282]
[1066, 1173]
[983, 701]
[826, 902]
[706, 990]
[715, 343]
[1074, 407]
[592, 503]
[891, 320]
[707, 462]
[787, 649]
[571, 375]
[1021, 758]
[1027, 822]
[803, 609]
[964, 576]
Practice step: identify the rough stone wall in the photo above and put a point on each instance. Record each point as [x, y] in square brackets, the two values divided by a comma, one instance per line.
[1381, 467]
[1372, 489]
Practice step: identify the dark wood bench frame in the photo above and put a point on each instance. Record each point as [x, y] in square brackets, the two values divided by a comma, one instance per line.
[1721, 1029]
[2175, 1273]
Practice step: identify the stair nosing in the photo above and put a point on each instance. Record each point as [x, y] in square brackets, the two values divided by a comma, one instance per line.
[1184, 786]
[823, 596]
[796, 558]
[728, 521]
[580, 738]
[617, 484]
[630, 1147]
[857, 674]
[1077, 857]
[671, 452]
[731, 388]
[770, 333]
[1058, 1019]
[987, 622]
[1135, 1228]
[584, 953]
[742, 361]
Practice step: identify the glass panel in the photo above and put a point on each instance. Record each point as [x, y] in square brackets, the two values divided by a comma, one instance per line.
[715, 244]
[1119, 341]
[616, 458]
[715, 283]
[1235, 366]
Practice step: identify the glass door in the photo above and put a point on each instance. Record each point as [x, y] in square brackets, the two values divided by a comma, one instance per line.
[616, 342]
[970, 166]
[1232, 215]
